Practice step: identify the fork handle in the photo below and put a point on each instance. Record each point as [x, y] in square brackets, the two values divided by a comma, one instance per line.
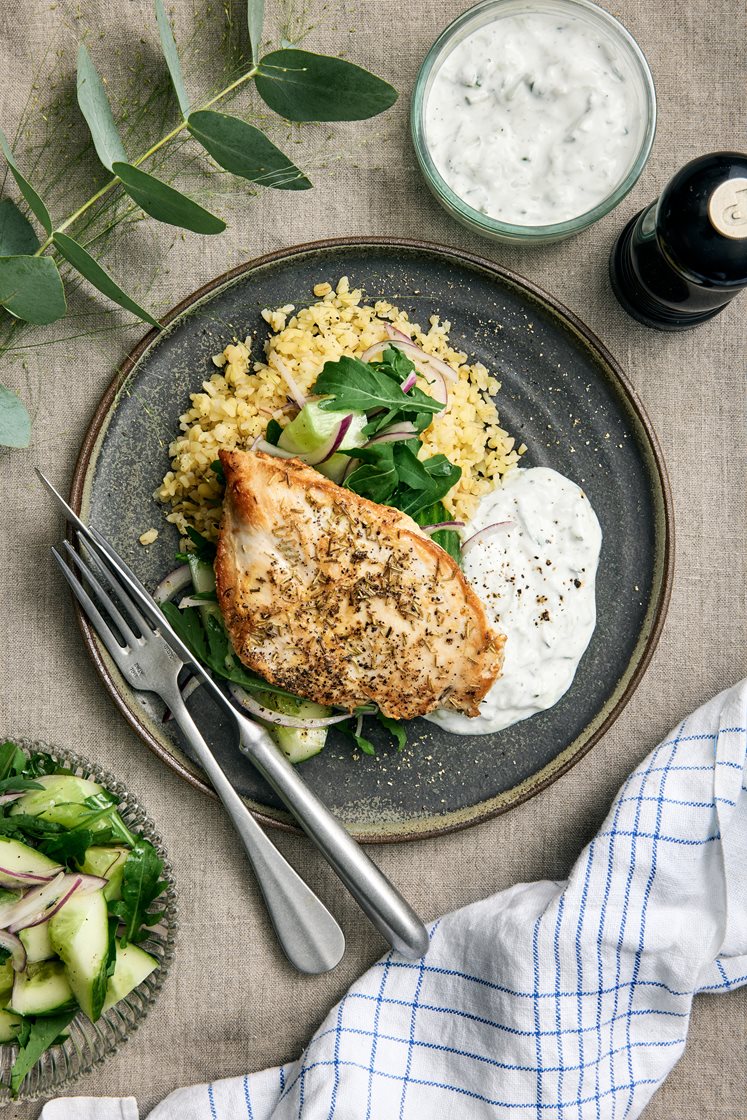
[377, 897]
[310, 937]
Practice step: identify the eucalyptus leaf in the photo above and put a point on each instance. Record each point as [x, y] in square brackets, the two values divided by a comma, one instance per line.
[255, 17]
[31, 288]
[17, 237]
[88, 267]
[302, 86]
[36, 205]
[15, 422]
[164, 203]
[168, 46]
[245, 151]
[95, 107]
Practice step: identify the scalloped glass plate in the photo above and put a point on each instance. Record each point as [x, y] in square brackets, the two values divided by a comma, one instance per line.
[91, 1043]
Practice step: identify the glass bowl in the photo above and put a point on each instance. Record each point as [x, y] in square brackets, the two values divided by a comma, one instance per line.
[90, 1043]
[486, 12]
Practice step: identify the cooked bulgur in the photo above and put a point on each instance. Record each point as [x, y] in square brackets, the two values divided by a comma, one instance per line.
[237, 401]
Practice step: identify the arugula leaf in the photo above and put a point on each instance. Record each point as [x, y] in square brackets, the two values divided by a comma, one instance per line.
[204, 549]
[394, 363]
[35, 1037]
[443, 476]
[23, 826]
[68, 847]
[16, 784]
[4, 955]
[217, 469]
[141, 885]
[395, 727]
[376, 478]
[273, 433]
[12, 759]
[359, 386]
[41, 763]
[448, 539]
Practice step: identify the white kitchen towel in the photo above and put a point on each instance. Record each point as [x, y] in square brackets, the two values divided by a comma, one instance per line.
[565, 1000]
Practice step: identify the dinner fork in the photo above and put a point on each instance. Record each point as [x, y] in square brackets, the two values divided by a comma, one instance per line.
[310, 936]
[378, 898]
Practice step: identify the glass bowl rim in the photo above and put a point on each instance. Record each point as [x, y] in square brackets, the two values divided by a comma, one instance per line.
[551, 230]
[119, 1029]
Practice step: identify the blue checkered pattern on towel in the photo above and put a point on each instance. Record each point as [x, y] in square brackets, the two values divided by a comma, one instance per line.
[555, 1001]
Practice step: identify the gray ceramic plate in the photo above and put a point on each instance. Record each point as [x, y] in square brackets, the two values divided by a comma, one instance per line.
[562, 394]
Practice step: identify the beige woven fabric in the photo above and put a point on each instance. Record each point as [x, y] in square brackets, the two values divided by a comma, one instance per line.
[231, 1003]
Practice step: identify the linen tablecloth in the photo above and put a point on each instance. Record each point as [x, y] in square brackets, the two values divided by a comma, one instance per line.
[233, 1004]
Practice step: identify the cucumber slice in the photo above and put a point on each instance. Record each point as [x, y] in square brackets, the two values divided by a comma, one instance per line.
[107, 863]
[79, 933]
[313, 427]
[42, 989]
[37, 943]
[15, 856]
[296, 743]
[132, 966]
[7, 978]
[9, 1026]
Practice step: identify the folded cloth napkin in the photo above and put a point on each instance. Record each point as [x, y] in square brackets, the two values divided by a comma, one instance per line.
[568, 1000]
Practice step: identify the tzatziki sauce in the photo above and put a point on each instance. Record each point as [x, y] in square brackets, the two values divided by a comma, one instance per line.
[535, 118]
[535, 576]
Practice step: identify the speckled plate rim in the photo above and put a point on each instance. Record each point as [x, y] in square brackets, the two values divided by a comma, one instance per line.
[416, 828]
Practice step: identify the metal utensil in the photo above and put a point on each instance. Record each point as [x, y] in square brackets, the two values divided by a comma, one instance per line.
[377, 897]
[311, 938]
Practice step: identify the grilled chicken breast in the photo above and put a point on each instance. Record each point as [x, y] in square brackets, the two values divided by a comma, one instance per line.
[344, 601]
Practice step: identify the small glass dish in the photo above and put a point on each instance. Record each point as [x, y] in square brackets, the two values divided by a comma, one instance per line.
[487, 12]
[90, 1043]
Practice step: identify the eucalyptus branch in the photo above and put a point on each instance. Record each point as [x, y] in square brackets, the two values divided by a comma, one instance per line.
[297, 85]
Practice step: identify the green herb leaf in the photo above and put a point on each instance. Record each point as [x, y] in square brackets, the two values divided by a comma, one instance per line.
[395, 727]
[255, 17]
[31, 289]
[217, 468]
[302, 86]
[168, 46]
[40, 1035]
[35, 204]
[12, 759]
[448, 539]
[17, 237]
[81, 260]
[273, 433]
[245, 151]
[164, 203]
[15, 422]
[443, 476]
[95, 107]
[69, 847]
[141, 885]
[15, 784]
[22, 825]
[376, 478]
[204, 549]
[359, 386]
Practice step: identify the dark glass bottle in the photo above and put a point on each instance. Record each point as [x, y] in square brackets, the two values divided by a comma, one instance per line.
[682, 259]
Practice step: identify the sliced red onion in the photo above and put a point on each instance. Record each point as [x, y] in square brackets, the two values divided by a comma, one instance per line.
[409, 382]
[90, 883]
[392, 332]
[14, 945]
[190, 601]
[483, 534]
[359, 726]
[405, 430]
[6, 798]
[442, 525]
[261, 444]
[189, 689]
[175, 582]
[28, 878]
[289, 380]
[72, 884]
[14, 915]
[269, 716]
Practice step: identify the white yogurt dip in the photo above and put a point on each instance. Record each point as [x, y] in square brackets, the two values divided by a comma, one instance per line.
[535, 118]
[535, 577]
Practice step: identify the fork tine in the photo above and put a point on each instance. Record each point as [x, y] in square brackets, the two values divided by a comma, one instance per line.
[101, 627]
[104, 567]
[104, 599]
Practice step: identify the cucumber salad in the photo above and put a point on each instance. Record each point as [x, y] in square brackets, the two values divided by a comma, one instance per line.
[360, 429]
[76, 888]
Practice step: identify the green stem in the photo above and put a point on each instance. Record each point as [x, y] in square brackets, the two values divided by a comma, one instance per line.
[146, 155]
